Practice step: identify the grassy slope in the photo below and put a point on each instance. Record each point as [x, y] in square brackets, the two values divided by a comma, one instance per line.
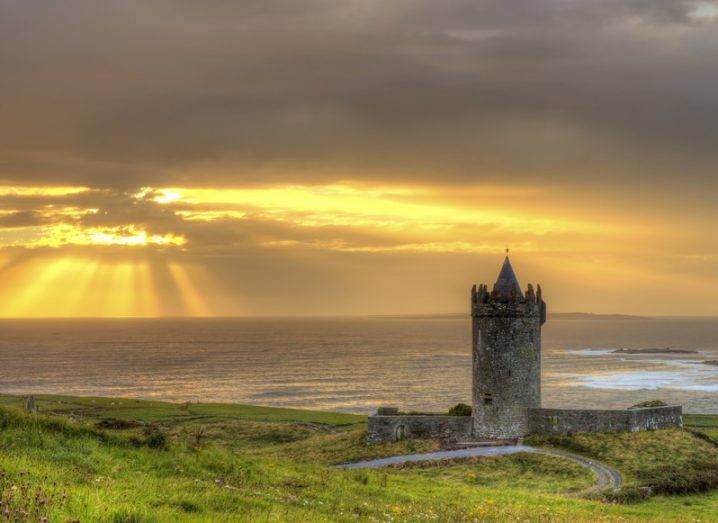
[705, 423]
[263, 464]
[670, 461]
[94, 409]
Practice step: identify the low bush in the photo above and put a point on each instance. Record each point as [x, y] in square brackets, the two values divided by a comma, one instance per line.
[460, 409]
[117, 424]
[672, 479]
[155, 438]
[627, 494]
[650, 403]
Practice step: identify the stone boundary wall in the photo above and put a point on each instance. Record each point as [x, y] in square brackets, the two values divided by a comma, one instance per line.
[652, 418]
[387, 429]
[566, 421]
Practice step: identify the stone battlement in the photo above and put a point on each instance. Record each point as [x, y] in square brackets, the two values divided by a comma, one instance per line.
[528, 304]
[481, 294]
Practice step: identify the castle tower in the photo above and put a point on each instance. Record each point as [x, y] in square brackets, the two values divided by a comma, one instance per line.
[506, 325]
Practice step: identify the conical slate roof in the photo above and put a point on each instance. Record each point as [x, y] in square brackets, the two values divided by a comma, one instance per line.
[507, 282]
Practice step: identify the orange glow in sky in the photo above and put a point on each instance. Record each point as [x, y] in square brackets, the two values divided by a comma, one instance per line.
[198, 251]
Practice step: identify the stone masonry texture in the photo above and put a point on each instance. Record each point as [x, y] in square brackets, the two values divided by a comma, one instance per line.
[568, 421]
[506, 364]
[387, 429]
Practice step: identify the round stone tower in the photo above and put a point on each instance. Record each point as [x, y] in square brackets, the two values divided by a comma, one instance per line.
[506, 325]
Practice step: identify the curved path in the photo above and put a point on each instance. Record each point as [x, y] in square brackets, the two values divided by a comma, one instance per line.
[607, 476]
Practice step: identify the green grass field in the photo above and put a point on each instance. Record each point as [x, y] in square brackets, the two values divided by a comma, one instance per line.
[120, 460]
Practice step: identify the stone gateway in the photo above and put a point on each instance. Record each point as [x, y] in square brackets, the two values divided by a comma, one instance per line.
[506, 381]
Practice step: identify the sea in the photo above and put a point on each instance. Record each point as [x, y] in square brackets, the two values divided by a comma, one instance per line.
[352, 364]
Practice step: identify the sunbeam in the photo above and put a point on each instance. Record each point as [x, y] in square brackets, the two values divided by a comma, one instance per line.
[86, 286]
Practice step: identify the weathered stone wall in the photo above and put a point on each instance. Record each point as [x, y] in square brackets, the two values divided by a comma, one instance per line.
[569, 421]
[657, 418]
[564, 421]
[506, 362]
[386, 429]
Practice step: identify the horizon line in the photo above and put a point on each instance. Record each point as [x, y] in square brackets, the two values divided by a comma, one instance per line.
[348, 316]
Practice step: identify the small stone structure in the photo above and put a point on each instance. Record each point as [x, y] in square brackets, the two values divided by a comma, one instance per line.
[506, 370]
[570, 421]
[395, 428]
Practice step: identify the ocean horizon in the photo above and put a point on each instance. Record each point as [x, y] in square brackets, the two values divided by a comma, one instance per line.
[352, 364]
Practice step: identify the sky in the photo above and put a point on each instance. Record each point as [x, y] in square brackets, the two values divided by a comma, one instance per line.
[344, 157]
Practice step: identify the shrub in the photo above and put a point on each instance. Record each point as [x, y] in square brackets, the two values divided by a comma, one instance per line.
[627, 494]
[673, 479]
[651, 403]
[155, 438]
[387, 411]
[460, 409]
[116, 424]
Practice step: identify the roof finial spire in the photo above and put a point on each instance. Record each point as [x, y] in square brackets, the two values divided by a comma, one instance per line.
[507, 283]
[507, 250]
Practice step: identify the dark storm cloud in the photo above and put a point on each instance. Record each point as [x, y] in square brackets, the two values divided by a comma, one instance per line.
[127, 94]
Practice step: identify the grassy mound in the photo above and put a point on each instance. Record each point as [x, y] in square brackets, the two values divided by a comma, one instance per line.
[671, 461]
[535, 472]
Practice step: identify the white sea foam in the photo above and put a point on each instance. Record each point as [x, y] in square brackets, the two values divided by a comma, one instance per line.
[591, 352]
[658, 373]
[693, 379]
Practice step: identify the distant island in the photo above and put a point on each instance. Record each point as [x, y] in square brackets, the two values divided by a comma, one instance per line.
[551, 316]
[592, 316]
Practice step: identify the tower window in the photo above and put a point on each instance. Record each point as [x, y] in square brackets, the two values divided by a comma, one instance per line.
[488, 398]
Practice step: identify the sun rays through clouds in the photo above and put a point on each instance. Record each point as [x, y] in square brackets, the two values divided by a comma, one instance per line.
[88, 284]
[196, 251]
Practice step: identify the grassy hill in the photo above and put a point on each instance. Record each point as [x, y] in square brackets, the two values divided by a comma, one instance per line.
[121, 460]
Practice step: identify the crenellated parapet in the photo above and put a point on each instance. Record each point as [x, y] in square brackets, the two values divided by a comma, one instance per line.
[513, 303]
